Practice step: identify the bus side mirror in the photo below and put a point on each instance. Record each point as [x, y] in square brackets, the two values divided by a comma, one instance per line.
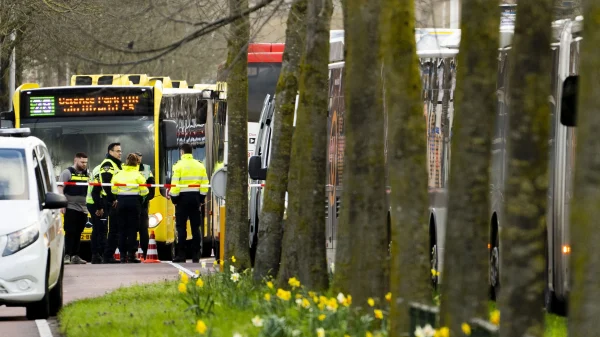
[255, 169]
[568, 103]
[170, 133]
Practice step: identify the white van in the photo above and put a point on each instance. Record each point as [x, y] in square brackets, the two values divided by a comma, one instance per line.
[31, 233]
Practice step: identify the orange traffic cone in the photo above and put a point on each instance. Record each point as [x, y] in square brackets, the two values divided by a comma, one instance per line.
[152, 253]
[140, 253]
[117, 254]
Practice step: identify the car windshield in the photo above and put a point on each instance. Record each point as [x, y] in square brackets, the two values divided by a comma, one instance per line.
[13, 175]
[65, 137]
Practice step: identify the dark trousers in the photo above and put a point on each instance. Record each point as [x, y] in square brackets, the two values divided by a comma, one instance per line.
[99, 231]
[128, 208]
[188, 207]
[113, 231]
[74, 224]
[144, 229]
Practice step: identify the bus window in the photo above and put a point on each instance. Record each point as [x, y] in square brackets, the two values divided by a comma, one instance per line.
[83, 80]
[105, 80]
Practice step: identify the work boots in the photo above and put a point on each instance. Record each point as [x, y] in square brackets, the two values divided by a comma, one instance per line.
[96, 259]
[180, 256]
[131, 258]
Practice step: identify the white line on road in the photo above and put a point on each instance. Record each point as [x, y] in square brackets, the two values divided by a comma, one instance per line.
[185, 270]
[43, 328]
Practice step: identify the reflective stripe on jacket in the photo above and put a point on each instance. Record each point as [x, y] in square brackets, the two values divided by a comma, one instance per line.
[188, 171]
[113, 169]
[93, 179]
[129, 175]
[81, 177]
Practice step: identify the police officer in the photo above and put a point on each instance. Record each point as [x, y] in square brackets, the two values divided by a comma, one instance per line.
[146, 171]
[76, 212]
[99, 221]
[188, 171]
[129, 206]
[109, 166]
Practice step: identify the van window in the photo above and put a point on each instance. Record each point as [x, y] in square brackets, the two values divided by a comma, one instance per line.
[45, 168]
[13, 175]
[39, 180]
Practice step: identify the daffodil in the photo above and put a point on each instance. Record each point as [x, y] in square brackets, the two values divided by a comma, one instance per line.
[312, 294]
[368, 334]
[235, 277]
[332, 305]
[199, 283]
[428, 331]
[197, 272]
[201, 327]
[232, 269]
[182, 288]
[267, 297]
[215, 263]
[341, 298]
[435, 272]
[237, 334]
[466, 329]
[233, 259]
[348, 301]
[294, 282]
[322, 317]
[299, 302]
[270, 284]
[388, 297]
[442, 332]
[378, 313]
[257, 321]
[298, 296]
[284, 294]
[184, 278]
[495, 317]
[305, 303]
[371, 302]
[203, 264]
[320, 332]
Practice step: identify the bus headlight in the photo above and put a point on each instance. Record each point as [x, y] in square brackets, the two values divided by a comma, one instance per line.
[154, 220]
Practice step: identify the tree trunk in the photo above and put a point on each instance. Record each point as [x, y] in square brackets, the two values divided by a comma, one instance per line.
[270, 230]
[410, 272]
[303, 253]
[236, 223]
[522, 233]
[464, 289]
[585, 294]
[361, 258]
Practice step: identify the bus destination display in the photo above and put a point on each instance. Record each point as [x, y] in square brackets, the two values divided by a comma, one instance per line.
[87, 101]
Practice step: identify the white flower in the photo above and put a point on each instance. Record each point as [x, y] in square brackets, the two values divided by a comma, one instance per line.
[232, 269]
[332, 267]
[237, 334]
[341, 298]
[299, 301]
[428, 331]
[203, 264]
[320, 332]
[235, 277]
[257, 321]
[296, 332]
[419, 332]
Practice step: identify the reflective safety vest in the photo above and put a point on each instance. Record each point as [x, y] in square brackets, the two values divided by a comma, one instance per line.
[113, 170]
[189, 171]
[93, 179]
[81, 177]
[129, 175]
[146, 171]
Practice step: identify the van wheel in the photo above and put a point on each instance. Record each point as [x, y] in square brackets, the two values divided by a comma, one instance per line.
[56, 294]
[41, 309]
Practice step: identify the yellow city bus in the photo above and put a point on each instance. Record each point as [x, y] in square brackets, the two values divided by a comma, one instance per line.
[108, 79]
[150, 119]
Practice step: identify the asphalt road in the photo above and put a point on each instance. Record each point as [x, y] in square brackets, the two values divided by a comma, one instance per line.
[85, 281]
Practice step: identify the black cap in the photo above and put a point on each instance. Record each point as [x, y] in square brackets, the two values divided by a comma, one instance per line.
[139, 154]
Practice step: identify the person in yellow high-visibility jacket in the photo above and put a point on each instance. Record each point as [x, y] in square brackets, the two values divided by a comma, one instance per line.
[129, 206]
[187, 201]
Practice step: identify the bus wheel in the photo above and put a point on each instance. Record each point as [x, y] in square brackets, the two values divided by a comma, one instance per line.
[495, 269]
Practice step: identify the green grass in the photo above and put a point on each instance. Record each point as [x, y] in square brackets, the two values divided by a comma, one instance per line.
[146, 310]
[556, 326]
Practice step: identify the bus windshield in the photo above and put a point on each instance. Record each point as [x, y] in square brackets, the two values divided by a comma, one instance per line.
[262, 80]
[66, 136]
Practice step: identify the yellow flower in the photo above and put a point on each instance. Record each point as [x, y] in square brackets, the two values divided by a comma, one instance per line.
[182, 288]
[322, 317]
[435, 272]
[368, 334]
[495, 317]
[298, 296]
[346, 335]
[267, 297]
[315, 299]
[197, 272]
[222, 262]
[312, 294]
[200, 283]
[388, 297]
[320, 332]
[466, 329]
[371, 302]
[201, 327]
[233, 259]
[283, 294]
[184, 278]
[332, 305]
[348, 301]
[305, 303]
[442, 332]
[270, 285]
[294, 282]
[378, 313]
[215, 263]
